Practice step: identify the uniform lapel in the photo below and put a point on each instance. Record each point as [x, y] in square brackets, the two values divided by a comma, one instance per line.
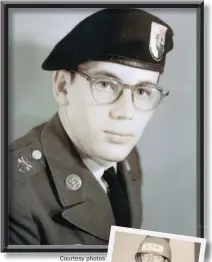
[88, 208]
[131, 173]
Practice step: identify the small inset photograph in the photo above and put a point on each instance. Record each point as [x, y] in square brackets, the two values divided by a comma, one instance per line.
[136, 245]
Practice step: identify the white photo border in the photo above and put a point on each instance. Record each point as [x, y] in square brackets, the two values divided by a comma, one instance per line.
[115, 229]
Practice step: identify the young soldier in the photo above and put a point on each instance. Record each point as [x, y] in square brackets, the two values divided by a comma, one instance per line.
[77, 174]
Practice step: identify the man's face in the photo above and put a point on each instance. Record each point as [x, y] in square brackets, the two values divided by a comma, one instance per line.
[106, 132]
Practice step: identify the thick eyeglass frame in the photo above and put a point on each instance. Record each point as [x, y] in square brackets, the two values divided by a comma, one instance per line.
[91, 79]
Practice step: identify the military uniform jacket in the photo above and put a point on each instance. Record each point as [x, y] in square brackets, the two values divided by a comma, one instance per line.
[43, 210]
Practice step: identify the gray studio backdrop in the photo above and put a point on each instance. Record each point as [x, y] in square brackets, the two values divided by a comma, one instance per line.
[168, 146]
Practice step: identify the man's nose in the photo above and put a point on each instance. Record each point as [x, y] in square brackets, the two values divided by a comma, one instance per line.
[124, 107]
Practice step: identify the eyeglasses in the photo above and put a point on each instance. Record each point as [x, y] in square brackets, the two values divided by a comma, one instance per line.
[149, 258]
[105, 90]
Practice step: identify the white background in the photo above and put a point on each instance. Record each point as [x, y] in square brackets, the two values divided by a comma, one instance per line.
[208, 169]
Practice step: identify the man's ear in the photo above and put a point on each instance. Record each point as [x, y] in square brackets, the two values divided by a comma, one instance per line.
[61, 81]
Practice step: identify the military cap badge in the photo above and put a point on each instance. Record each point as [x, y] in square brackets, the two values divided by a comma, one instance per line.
[157, 40]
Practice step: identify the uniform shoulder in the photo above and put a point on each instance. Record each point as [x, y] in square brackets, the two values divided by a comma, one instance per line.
[26, 139]
[25, 156]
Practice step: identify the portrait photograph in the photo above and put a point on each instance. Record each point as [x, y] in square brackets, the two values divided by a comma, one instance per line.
[102, 123]
[133, 245]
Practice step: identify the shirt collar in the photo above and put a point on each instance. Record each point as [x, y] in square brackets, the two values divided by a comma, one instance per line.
[96, 169]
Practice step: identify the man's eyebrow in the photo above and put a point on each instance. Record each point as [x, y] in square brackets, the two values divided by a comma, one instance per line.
[105, 73]
[112, 75]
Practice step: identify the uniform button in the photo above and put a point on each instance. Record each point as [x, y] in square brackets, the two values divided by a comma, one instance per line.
[73, 182]
[36, 154]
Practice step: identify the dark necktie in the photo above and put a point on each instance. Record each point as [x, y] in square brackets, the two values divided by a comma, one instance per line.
[117, 198]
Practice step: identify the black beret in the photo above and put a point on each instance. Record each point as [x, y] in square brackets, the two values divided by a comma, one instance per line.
[128, 36]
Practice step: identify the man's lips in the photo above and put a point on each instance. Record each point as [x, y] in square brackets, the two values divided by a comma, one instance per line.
[115, 137]
[119, 133]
